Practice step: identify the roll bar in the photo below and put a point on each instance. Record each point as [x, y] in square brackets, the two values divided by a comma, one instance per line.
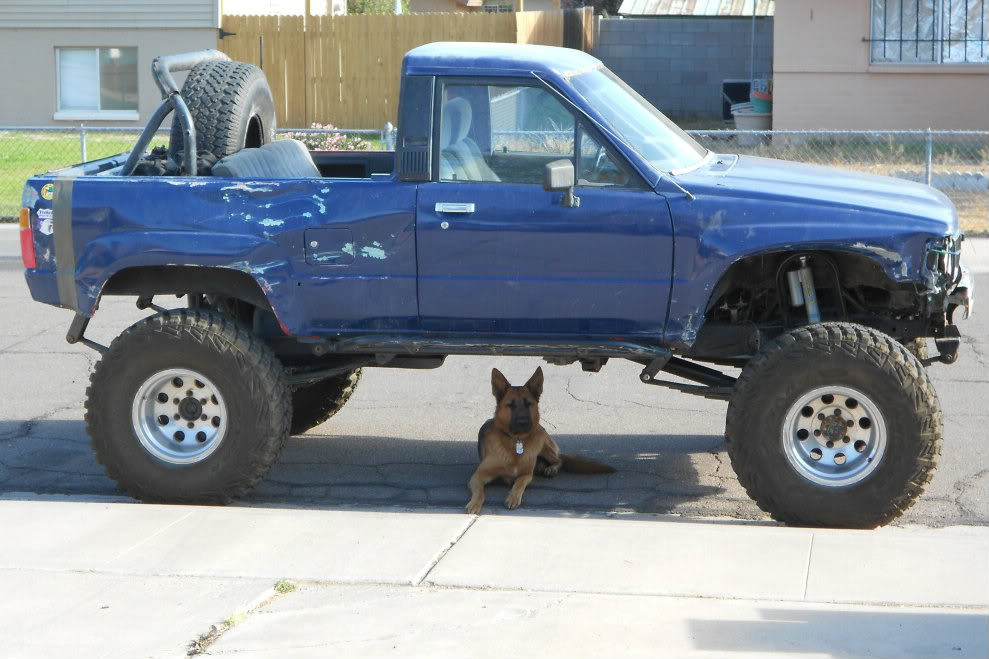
[162, 68]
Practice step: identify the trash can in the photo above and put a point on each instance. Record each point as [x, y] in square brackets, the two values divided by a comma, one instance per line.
[752, 121]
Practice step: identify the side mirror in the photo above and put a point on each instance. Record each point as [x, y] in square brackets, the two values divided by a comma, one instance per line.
[558, 175]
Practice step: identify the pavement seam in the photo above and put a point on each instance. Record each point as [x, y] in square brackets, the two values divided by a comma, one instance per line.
[319, 583]
[156, 533]
[403, 584]
[810, 554]
[425, 572]
[201, 643]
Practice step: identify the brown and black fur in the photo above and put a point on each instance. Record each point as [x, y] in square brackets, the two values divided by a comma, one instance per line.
[517, 417]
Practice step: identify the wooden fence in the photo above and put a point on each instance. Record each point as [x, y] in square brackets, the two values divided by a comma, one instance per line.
[345, 70]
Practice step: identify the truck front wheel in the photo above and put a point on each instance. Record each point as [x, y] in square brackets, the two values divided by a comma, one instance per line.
[314, 404]
[834, 425]
[187, 407]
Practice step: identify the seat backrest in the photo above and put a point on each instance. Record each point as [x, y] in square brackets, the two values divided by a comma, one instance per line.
[458, 147]
[279, 159]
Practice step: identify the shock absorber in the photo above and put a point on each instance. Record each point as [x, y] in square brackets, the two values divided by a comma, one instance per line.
[802, 292]
[810, 295]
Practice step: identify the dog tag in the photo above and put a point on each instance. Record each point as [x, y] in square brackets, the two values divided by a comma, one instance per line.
[518, 446]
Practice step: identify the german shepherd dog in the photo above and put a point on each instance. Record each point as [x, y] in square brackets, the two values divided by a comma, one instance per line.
[513, 446]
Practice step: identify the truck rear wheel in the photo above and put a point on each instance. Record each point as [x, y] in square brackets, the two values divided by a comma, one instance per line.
[834, 425]
[231, 106]
[314, 404]
[187, 407]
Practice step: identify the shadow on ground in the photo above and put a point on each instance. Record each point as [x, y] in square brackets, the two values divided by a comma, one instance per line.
[848, 634]
[655, 473]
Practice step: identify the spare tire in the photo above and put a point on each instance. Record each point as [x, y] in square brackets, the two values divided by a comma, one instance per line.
[231, 106]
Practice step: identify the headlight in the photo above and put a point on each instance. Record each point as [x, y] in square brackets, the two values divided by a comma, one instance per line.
[943, 262]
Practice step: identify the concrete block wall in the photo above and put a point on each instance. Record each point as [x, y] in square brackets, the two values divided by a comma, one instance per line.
[678, 64]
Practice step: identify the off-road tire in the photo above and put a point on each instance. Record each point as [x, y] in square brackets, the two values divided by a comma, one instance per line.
[831, 354]
[231, 106]
[917, 348]
[314, 404]
[245, 370]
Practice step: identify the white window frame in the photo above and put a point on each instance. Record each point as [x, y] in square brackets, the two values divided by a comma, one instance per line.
[90, 115]
[932, 64]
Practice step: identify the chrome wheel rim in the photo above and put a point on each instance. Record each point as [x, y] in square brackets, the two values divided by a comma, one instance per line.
[179, 416]
[834, 436]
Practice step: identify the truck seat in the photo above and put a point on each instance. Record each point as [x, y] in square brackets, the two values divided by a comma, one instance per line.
[279, 159]
[462, 152]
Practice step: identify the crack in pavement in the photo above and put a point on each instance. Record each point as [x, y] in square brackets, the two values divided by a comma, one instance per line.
[26, 427]
[961, 486]
[582, 400]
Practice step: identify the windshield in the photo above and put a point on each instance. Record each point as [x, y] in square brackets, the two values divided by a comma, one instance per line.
[647, 130]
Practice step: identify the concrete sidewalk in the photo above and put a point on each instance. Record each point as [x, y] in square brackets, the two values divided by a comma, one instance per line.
[116, 579]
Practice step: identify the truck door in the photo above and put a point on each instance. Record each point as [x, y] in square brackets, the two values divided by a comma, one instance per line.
[499, 254]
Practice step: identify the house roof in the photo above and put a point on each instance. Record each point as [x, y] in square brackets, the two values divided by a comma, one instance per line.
[696, 7]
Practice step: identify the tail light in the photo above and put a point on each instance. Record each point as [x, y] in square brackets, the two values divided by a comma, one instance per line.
[27, 241]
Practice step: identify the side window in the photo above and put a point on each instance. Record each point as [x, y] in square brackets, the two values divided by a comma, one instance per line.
[596, 166]
[502, 134]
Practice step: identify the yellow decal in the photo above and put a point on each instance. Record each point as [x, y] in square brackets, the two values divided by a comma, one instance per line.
[48, 191]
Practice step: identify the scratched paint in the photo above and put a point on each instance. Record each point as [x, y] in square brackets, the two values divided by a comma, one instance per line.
[248, 187]
[373, 253]
[269, 222]
[320, 204]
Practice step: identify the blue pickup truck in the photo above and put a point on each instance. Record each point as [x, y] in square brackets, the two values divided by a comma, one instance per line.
[535, 205]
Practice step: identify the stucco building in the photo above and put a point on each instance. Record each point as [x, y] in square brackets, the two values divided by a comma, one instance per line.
[881, 64]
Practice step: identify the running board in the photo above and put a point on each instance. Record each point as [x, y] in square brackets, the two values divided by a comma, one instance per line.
[497, 347]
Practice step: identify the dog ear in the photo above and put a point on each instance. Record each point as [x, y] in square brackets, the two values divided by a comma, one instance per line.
[499, 384]
[535, 383]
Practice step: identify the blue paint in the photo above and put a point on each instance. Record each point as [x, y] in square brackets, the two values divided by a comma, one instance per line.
[626, 263]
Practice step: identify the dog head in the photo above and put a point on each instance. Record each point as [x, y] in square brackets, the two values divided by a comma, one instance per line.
[518, 407]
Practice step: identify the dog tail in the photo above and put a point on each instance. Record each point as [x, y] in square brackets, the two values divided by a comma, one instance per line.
[576, 464]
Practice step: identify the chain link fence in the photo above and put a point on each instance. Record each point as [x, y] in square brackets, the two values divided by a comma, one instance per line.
[954, 162]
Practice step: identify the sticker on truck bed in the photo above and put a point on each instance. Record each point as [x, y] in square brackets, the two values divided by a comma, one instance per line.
[45, 224]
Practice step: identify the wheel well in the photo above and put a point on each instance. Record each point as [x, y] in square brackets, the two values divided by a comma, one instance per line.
[756, 275]
[751, 303]
[184, 279]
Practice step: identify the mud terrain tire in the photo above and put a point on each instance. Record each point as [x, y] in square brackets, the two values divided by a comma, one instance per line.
[801, 391]
[134, 421]
[231, 106]
[314, 404]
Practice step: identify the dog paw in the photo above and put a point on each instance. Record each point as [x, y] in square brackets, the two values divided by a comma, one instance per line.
[473, 507]
[551, 471]
[513, 501]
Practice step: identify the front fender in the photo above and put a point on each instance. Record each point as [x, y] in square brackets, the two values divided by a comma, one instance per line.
[713, 233]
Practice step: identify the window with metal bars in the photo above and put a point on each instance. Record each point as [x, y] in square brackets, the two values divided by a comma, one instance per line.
[929, 31]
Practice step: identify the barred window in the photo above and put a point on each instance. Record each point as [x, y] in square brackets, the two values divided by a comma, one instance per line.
[929, 31]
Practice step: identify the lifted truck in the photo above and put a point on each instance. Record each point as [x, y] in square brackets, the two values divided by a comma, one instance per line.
[534, 205]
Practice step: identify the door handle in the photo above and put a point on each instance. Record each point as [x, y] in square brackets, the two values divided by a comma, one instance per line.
[449, 207]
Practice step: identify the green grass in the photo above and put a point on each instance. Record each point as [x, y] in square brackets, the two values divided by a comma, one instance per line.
[22, 155]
